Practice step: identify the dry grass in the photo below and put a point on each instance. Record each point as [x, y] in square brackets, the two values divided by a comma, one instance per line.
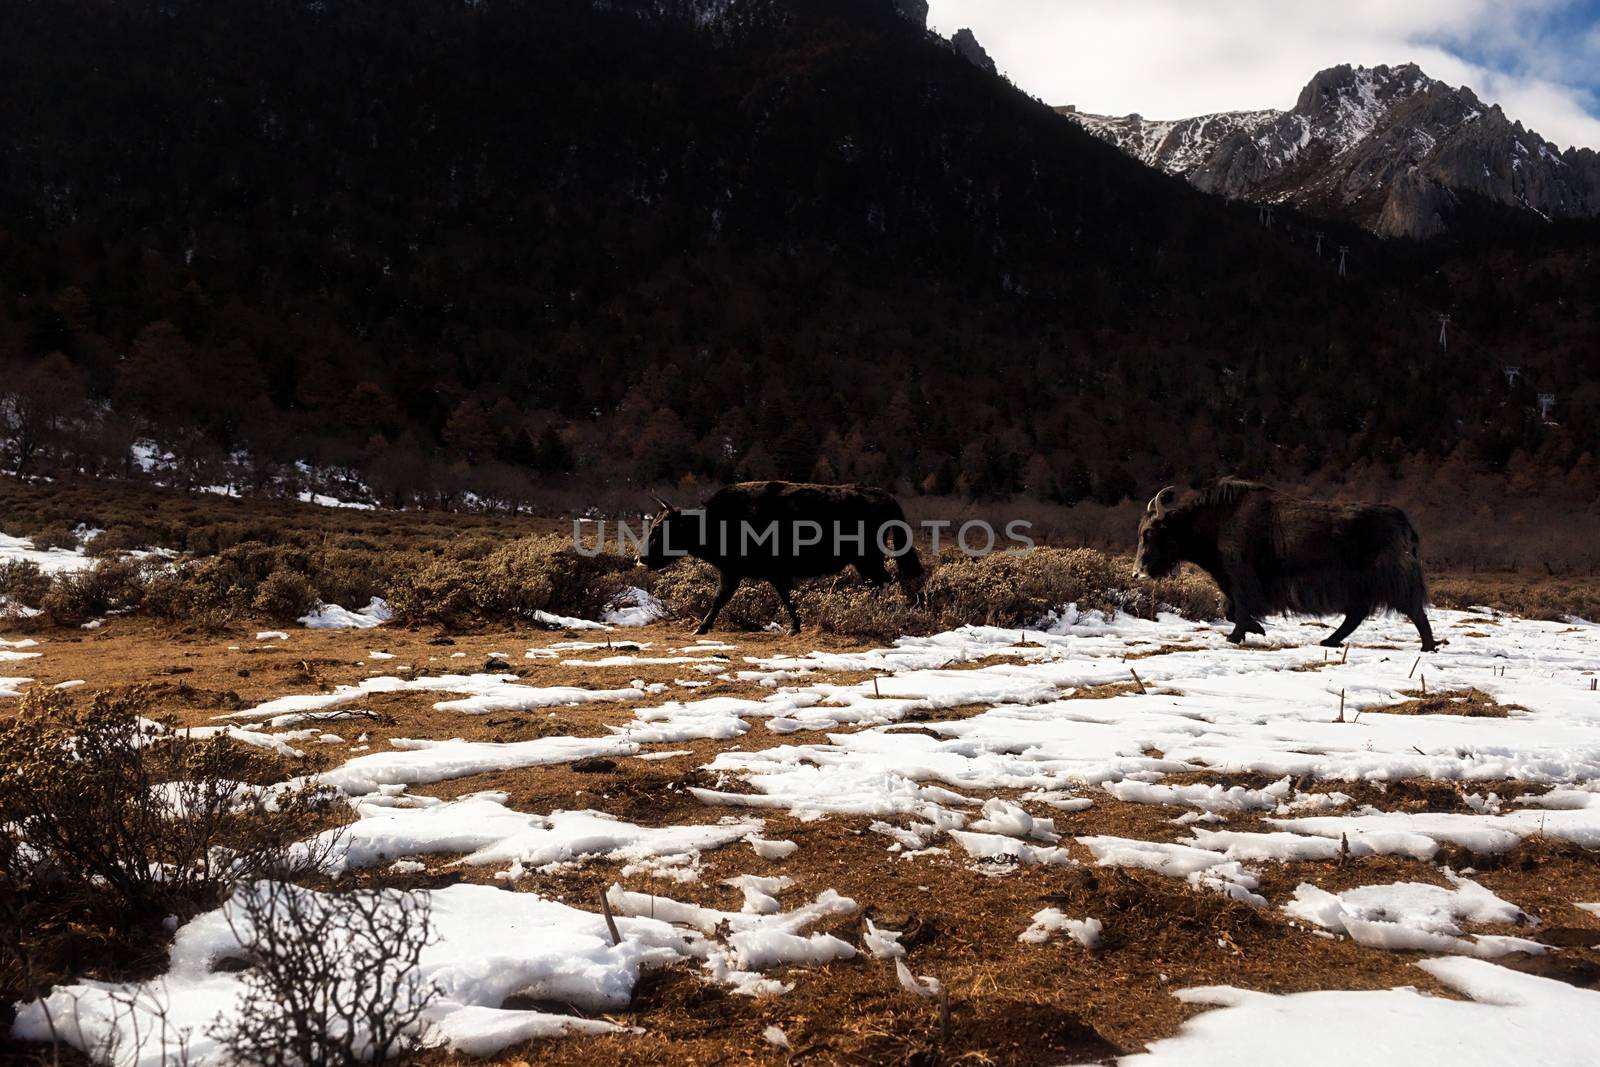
[1470, 703]
[470, 580]
[269, 561]
[1010, 1003]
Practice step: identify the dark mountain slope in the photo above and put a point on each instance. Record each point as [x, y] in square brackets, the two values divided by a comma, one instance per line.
[764, 237]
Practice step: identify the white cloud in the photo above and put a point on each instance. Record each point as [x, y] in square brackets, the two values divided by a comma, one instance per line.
[1174, 58]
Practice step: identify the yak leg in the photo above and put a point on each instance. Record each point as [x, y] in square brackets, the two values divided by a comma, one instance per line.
[725, 589]
[1243, 616]
[782, 586]
[1419, 619]
[1354, 616]
[872, 571]
[1243, 626]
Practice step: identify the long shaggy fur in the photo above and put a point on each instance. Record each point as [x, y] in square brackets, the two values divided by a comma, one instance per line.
[848, 518]
[1275, 554]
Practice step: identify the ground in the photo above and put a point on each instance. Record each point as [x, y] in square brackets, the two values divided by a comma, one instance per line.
[1191, 797]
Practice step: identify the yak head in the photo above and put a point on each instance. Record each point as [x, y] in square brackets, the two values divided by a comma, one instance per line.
[1158, 554]
[662, 543]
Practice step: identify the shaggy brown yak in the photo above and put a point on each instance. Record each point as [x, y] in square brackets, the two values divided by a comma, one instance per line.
[1269, 553]
[783, 531]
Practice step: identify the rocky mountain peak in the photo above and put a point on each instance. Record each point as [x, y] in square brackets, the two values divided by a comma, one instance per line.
[967, 47]
[1387, 147]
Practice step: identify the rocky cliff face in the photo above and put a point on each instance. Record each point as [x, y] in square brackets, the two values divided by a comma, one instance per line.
[1387, 147]
[965, 42]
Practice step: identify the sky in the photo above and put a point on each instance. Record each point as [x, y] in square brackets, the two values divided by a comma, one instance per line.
[1537, 59]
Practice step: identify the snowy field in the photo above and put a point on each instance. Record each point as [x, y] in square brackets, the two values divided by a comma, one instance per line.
[991, 749]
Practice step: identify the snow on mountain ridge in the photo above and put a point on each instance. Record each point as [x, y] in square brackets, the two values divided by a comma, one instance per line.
[1388, 147]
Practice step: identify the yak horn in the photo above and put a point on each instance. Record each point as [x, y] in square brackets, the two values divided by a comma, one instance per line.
[664, 505]
[1157, 505]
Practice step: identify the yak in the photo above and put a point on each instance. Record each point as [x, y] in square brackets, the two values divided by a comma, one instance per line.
[783, 531]
[1269, 553]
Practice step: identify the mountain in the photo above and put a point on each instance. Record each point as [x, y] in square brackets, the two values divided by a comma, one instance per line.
[679, 242]
[1388, 148]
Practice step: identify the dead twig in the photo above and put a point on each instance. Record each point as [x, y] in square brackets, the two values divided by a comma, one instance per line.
[611, 920]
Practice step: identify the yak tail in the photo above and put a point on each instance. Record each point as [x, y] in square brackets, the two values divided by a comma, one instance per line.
[1414, 546]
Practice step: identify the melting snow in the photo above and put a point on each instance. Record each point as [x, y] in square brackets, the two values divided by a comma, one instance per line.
[48, 560]
[1509, 1018]
[633, 607]
[488, 832]
[333, 617]
[490, 945]
[1206, 708]
[1085, 932]
[1413, 916]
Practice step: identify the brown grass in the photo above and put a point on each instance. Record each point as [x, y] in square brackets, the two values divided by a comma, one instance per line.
[1010, 1003]
[1470, 703]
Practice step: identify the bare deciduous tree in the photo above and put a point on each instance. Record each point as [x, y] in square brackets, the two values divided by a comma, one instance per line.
[35, 403]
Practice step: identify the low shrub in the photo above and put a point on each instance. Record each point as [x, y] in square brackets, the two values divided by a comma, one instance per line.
[110, 822]
[22, 583]
[1551, 597]
[55, 535]
[997, 590]
[514, 580]
[253, 579]
[112, 584]
[284, 596]
[122, 537]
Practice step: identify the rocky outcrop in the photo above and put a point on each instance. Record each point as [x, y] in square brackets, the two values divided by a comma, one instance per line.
[914, 10]
[965, 42]
[1387, 147]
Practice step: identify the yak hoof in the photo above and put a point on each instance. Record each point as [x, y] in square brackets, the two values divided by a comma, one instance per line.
[702, 630]
[1333, 642]
[1431, 646]
[794, 631]
[1236, 638]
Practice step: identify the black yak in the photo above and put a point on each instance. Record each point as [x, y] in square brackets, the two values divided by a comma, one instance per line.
[783, 531]
[1269, 553]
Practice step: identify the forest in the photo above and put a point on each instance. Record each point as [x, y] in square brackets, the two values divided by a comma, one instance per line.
[506, 247]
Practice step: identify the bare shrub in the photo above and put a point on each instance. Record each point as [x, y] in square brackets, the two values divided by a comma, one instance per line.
[78, 596]
[1535, 597]
[514, 580]
[998, 590]
[332, 978]
[107, 817]
[857, 611]
[1001, 589]
[688, 586]
[134, 1023]
[21, 582]
[122, 537]
[56, 535]
[253, 578]
[284, 596]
